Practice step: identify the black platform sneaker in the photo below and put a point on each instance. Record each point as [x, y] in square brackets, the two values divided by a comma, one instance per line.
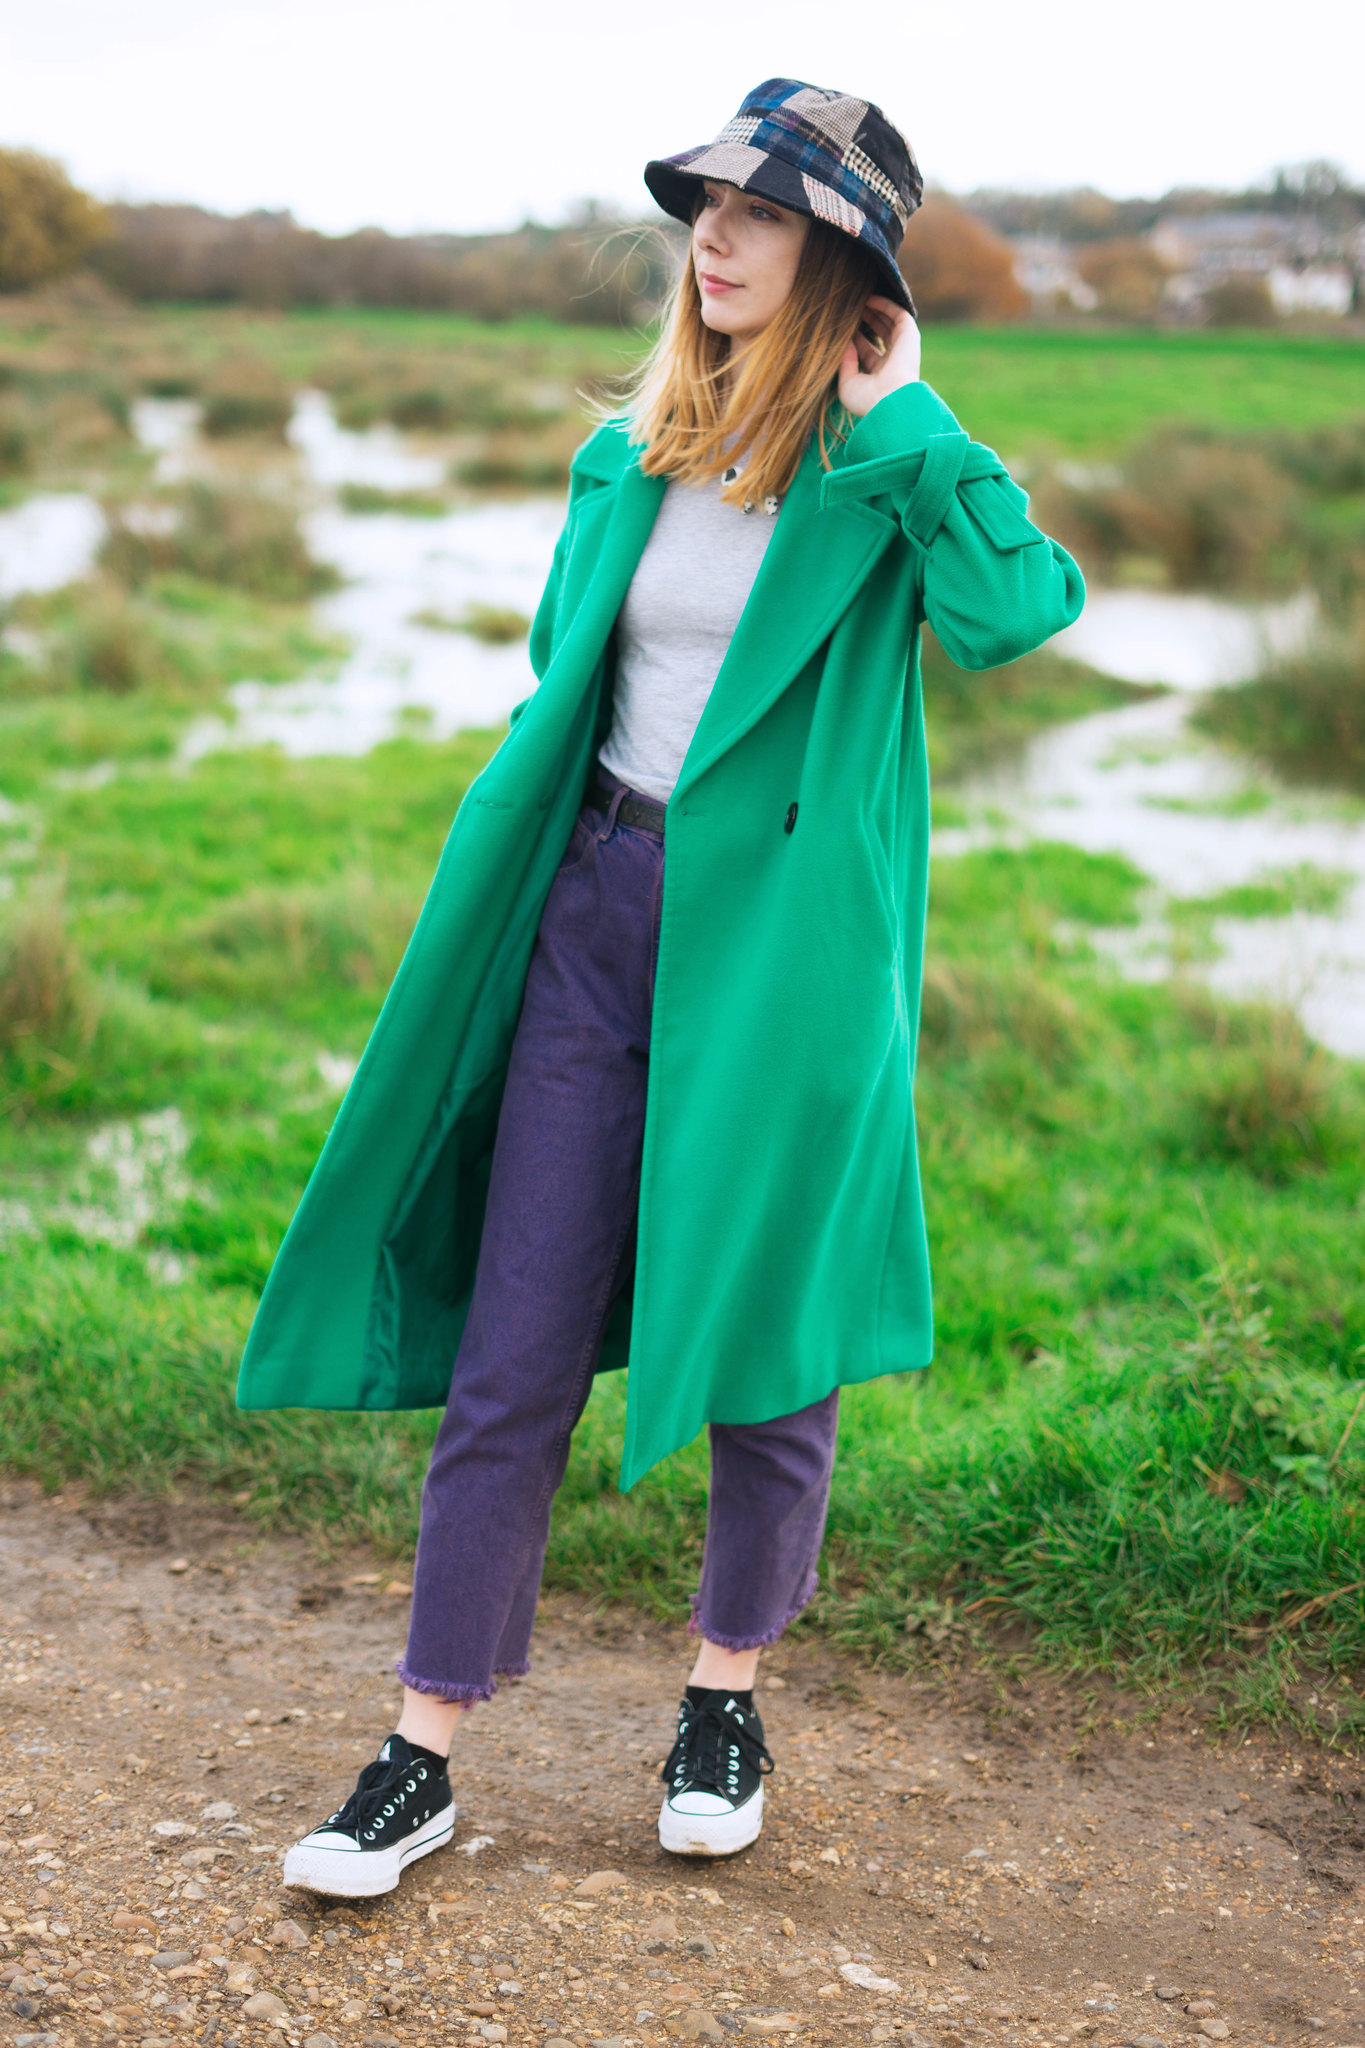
[401, 1809]
[714, 1774]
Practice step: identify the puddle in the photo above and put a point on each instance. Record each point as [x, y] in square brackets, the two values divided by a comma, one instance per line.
[49, 540]
[401, 676]
[169, 427]
[1138, 782]
[1186, 641]
[132, 1176]
[380, 456]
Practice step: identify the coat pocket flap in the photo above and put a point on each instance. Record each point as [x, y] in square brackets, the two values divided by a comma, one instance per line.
[999, 508]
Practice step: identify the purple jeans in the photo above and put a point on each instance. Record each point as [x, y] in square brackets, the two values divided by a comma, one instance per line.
[558, 1245]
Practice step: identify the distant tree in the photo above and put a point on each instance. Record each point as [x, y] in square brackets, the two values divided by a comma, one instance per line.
[47, 224]
[958, 267]
[1128, 275]
[1240, 302]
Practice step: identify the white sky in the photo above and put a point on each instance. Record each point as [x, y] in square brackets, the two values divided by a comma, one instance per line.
[413, 114]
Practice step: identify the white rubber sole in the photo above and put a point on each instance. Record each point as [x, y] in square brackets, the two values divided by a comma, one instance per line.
[364, 1873]
[711, 1834]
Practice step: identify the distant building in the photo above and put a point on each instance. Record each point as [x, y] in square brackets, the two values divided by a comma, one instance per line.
[1045, 266]
[1305, 269]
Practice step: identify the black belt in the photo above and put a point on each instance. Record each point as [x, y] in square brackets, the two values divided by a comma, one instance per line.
[632, 810]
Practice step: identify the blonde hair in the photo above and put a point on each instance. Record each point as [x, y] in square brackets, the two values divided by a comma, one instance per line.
[695, 420]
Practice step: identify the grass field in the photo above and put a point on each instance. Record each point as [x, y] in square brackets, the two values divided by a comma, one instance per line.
[1136, 1449]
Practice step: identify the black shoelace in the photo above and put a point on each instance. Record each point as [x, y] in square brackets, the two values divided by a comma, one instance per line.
[698, 1757]
[381, 1789]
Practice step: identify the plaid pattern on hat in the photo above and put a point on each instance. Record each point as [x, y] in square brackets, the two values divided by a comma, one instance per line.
[824, 154]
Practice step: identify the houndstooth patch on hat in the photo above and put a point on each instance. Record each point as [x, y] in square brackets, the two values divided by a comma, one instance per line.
[825, 154]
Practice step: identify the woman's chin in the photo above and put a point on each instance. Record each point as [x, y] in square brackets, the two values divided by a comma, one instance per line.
[721, 319]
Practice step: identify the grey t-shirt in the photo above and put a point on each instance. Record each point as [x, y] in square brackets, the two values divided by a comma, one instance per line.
[674, 628]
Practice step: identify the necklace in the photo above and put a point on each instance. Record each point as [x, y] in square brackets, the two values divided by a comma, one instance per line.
[770, 503]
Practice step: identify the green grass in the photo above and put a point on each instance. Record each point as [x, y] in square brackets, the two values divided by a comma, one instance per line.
[1092, 1150]
[1077, 392]
[1133, 1447]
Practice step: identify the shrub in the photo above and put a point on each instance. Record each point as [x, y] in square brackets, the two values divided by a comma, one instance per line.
[1127, 274]
[1215, 512]
[958, 267]
[1240, 302]
[47, 225]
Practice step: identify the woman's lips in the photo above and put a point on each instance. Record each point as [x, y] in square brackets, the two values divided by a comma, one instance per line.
[711, 283]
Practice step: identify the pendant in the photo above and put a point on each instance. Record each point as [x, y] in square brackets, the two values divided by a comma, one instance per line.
[770, 506]
[730, 475]
[748, 504]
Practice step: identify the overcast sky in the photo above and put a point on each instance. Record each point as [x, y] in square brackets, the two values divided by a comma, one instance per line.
[412, 114]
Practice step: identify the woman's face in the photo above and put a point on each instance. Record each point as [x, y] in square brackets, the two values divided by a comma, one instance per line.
[745, 252]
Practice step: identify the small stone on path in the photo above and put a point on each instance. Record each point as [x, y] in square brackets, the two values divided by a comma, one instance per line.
[698, 2026]
[265, 2006]
[866, 1978]
[1215, 2030]
[599, 1881]
[319, 2041]
[288, 1934]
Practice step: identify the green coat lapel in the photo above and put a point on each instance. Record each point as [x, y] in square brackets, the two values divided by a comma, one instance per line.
[815, 563]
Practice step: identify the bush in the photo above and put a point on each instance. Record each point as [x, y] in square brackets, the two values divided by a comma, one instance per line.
[46, 224]
[959, 268]
[1216, 512]
[1240, 302]
[1127, 275]
[236, 537]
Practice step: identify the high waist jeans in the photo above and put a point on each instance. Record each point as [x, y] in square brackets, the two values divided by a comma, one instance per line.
[558, 1245]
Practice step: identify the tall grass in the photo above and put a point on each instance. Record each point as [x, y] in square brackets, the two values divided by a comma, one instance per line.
[239, 537]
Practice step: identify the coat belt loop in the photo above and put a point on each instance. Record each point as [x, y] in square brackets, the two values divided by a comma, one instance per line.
[928, 503]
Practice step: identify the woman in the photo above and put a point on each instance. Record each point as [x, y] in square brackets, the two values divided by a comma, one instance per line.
[617, 1109]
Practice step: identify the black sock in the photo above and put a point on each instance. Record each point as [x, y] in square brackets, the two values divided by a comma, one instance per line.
[433, 1756]
[698, 1695]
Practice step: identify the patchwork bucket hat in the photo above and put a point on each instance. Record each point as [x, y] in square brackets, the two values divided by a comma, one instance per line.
[825, 154]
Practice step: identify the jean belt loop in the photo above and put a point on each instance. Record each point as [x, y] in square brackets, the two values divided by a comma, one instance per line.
[618, 797]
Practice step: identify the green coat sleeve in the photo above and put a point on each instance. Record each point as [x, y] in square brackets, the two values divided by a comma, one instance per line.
[994, 586]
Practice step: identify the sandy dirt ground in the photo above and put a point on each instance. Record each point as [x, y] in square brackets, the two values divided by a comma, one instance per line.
[947, 1861]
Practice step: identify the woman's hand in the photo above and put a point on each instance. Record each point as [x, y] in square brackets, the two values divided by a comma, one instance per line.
[867, 374]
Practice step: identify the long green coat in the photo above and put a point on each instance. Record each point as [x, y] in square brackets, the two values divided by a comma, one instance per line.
[781, 1230]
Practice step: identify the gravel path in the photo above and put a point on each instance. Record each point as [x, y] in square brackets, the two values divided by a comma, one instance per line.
[947, 1862]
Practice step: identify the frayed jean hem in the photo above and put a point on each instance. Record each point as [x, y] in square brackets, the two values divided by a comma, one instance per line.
[457, 1695]
[697, 1627]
